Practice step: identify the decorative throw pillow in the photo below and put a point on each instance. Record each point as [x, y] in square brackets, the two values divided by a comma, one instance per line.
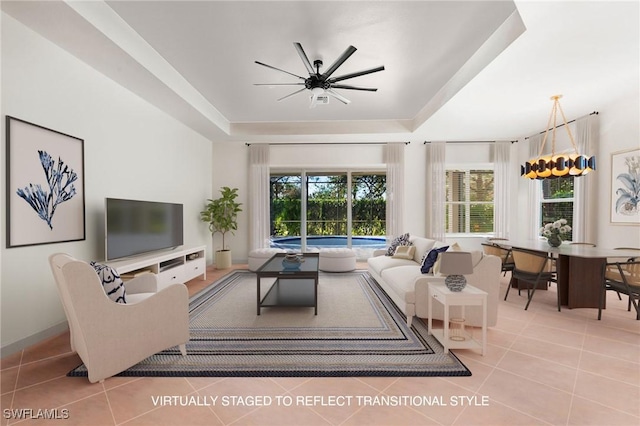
[402, 240]
[430, 259]
[404, 252]
[111, 282]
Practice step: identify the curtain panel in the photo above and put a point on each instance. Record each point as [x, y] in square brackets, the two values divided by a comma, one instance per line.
[535, 193]
[436, 187]
[501, 182]
[394, 158]
[259, 232]
[587, 137]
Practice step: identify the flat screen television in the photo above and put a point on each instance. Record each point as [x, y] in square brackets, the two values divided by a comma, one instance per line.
[134, 227]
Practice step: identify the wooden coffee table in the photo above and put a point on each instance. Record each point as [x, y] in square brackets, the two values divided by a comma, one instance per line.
[293, 287]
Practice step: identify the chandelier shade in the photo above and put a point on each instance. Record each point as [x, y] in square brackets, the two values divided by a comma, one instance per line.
[557, 165]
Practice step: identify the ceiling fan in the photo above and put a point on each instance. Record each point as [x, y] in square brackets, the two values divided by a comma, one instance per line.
[322, 84]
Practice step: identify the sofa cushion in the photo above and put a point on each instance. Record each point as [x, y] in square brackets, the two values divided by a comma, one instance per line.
[380, 263]
[430, 259]
[402, 240]
[404, 252]
[111, 282]
[401, 280]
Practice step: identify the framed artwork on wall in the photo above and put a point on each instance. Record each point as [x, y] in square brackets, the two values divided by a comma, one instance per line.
[625, 187]
[45, 185]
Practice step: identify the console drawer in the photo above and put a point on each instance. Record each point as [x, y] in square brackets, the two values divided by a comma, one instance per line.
[171, 276]
[195, 268]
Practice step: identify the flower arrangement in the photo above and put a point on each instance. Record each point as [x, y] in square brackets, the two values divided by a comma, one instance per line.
[555, 232]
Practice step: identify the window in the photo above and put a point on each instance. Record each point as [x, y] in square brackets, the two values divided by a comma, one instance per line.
[337, 209]
[469, 201]
[556, 201]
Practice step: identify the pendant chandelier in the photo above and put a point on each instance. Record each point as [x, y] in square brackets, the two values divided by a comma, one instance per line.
[564, 164]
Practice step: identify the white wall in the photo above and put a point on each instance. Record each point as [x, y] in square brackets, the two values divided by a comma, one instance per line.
[131, 150]
[619, 130]
[231, 168]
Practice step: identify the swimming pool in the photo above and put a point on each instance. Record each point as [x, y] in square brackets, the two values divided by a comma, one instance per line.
[363, 246]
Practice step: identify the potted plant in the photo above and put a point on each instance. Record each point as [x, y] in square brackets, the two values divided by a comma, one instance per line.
[221, 214]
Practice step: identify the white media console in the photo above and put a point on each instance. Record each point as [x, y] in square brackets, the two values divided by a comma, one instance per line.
[175, 266]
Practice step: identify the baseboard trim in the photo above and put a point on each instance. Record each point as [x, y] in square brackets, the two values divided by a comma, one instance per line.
[12, 348]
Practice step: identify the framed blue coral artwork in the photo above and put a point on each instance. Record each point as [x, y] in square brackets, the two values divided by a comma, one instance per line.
[625, 187]
[45, 185]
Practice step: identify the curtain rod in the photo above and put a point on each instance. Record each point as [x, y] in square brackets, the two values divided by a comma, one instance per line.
[560, 125]
[324, 143]
[426, 142]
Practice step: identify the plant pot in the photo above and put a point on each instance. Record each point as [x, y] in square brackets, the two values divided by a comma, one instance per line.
[223, 259]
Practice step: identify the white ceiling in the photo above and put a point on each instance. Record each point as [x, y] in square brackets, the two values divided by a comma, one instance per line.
[453, 70]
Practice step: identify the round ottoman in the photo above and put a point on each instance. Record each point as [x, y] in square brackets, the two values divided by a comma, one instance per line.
[259, 256]
[337, 259]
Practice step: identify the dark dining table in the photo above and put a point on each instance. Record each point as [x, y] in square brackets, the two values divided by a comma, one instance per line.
[579, 268]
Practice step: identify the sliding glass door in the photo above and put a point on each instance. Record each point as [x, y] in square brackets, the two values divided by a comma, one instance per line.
[313, 209]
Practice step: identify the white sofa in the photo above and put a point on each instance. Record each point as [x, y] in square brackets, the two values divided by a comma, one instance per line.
[407, 286]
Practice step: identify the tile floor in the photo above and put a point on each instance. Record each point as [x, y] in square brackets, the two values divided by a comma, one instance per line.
[543, 367]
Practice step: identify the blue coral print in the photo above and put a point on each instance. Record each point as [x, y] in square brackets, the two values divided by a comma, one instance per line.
[60, 179]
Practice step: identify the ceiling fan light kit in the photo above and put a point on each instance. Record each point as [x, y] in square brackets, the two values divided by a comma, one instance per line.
[322, 85]
[565, 164]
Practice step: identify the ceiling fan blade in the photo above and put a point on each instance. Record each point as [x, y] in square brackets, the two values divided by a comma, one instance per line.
[278, 69]
[278, 84]
[338, 96]
[345, 55]
[345, 86]
[356, 74]
[305, 58]
[291, 94]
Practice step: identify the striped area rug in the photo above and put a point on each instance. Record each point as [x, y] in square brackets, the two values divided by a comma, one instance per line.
[358, 332]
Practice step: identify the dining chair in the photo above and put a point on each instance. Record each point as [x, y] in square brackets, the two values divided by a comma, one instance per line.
[612, 269]
[533, 268]
[622, 277]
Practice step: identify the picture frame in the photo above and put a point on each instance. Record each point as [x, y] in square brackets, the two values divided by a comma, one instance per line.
[44, 185]
[625, 187]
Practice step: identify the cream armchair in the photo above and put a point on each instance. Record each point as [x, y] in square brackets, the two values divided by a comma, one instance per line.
[110, 337]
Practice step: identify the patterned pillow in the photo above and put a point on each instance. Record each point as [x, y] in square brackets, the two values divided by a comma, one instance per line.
[430, 259]
[111, 282]
[402, 240]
